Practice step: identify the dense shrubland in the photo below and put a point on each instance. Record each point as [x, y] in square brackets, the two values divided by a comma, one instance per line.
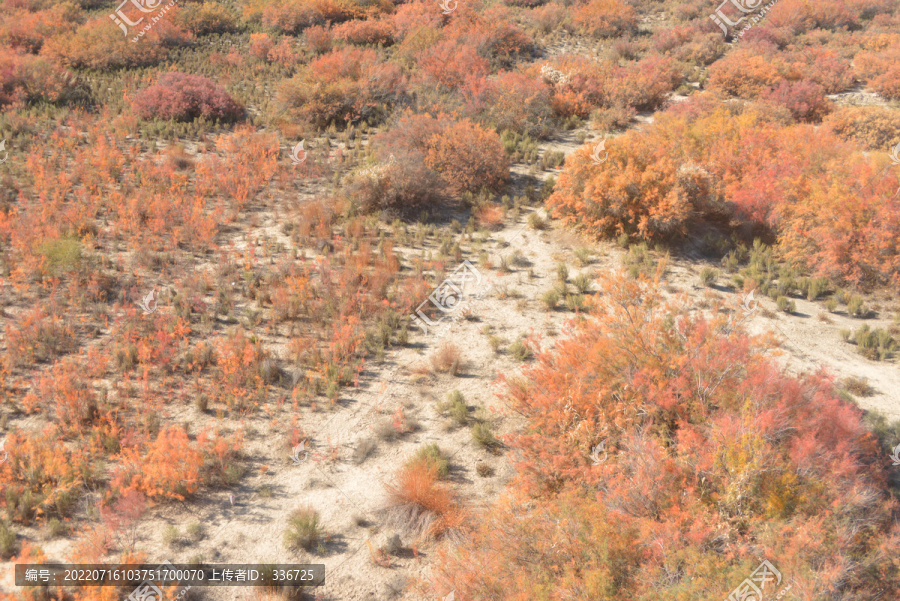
[825, 201]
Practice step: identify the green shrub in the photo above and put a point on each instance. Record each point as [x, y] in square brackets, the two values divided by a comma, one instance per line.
[550, 299]
[7, 540]
[457, 408]
[582, 282]
[575, 302]
[303, 529]
[520, 351]
[709, 276]
[856, 307]
[482, 435]
[62, 255]
[785, 304]
[431, 455]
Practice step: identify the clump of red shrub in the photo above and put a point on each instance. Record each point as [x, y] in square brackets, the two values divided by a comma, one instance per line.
[185, 97]
[804, 99]
[656, 455]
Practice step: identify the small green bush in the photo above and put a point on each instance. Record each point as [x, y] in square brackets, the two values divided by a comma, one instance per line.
[482, 435]
[432, 455]
[7, 540]
[709, 276]
[582, 283]
[303, 529]
[785, 304]
[550, 300]
[520, 351]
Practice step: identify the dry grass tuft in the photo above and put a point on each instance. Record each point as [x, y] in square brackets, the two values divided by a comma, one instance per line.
[447, 359]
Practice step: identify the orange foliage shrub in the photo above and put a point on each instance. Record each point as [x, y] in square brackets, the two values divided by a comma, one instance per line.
[219, 452]
[450, 64]
[832, 211]
[168, 468]
[881, 69]
[468, 157]
[365, 32]
[404, 186]
[260, 45]
[28, 78]
[800, 16]
[605, 18]
[417, 500]
[825, 67]
[511, 101]
[37, 477]
[494, 35]
[746, 72]
[342, 86]
[26, 30]
[872, 127]
[96, 45]
[245, 161]
[38, 337]
[548, 17]
[581, 85]
[291, 16]
[689, 44]
[711, 459]
[204, 18]
[239, 381]
[414, 16]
